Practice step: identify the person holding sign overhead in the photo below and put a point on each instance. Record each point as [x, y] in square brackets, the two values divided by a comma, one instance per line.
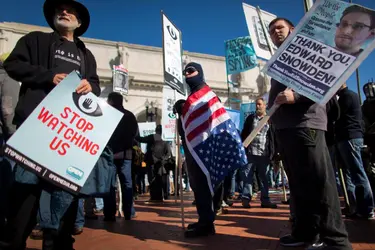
[41, 61]
[300, 130]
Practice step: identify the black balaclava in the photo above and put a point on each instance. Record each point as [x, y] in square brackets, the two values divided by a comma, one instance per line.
[196, 82]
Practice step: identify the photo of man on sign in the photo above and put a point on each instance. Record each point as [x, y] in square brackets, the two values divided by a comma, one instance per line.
[356, 27]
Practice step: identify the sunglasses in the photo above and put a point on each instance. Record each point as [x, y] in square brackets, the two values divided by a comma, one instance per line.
[189, 70]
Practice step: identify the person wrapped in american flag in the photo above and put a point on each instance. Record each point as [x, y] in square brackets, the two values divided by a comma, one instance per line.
[212, 146]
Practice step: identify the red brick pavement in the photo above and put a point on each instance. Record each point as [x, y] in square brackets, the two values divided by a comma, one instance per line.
[159, 227]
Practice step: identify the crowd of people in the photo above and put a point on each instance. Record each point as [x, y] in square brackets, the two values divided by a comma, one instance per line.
[314, 143]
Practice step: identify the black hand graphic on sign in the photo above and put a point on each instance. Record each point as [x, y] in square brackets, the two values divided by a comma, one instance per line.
[86, 103]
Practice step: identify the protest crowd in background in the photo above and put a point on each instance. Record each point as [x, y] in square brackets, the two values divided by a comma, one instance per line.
[305, 148]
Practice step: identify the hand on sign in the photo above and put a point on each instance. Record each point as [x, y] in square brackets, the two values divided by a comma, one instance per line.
[285, 97]
[84, 87]
[58, 78]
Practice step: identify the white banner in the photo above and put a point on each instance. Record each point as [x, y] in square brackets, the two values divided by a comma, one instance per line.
[168, 120]
[172, 55]
[120, 79]
[256, 32]
[145, 129]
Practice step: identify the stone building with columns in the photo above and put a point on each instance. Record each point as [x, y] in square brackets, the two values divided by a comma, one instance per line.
[145, 66]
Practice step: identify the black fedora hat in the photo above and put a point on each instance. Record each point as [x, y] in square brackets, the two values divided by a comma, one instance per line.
[49, 9]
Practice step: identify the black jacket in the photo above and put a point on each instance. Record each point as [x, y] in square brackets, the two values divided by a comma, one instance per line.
[350, 124]
[31, 62]
[122, 139]
[271, 142]
[333, 115]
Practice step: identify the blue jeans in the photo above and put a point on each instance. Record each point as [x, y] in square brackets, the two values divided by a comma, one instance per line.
[124, 171]
[53, 204]
[358, 186]
[80, 220]
[333, 154]
[260, 163]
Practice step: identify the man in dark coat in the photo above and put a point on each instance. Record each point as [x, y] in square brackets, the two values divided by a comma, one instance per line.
[121, 143]
[40, 61]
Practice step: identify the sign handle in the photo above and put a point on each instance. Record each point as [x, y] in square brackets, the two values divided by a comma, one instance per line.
[261, 124]
[176, 139]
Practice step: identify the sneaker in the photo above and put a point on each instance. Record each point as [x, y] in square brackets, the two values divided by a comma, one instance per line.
[229, 203]
[224, 204]
[77, 231]
[246, 203]
[36, 234]
[290, 241]
[91, 216]
[200, 230]
[317, 246]
[269, 205]
[110, 218]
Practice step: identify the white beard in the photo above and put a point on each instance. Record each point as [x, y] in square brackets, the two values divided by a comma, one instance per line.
[65, 25]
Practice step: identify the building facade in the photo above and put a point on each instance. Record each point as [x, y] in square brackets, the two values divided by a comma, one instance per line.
[145, 66]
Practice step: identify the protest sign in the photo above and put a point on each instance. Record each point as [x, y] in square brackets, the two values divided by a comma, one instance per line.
[172, 55]
[256, 31]
[325, 48]
[120, 79]
[234, 116]
[239, 55]
[145, 129]
[168, 120]
[245, 110]
[64, 136]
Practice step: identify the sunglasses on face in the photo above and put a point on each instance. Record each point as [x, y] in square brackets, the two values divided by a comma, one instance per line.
[189, 70]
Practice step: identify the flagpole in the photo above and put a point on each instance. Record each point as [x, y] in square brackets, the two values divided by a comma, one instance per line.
[177, 156]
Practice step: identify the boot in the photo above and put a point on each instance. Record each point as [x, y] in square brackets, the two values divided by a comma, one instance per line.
[49, 238]
[200, 230]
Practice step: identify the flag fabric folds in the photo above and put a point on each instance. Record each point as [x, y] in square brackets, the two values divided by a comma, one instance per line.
[211, 136]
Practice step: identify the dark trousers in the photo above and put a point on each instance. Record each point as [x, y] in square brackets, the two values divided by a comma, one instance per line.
[158, 183]
[202, 193]
[23, 208]
[6, 180]
[218, 196]
[141, 182]
[312, 183]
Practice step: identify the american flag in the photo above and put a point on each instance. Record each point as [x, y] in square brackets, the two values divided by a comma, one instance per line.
[211, 136]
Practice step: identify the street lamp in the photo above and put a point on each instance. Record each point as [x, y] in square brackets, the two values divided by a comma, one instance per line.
[150, 115]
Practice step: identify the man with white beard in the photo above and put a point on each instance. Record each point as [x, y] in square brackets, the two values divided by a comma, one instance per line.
[41, 61]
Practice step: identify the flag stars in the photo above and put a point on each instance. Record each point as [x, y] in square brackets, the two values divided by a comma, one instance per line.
[201, 151]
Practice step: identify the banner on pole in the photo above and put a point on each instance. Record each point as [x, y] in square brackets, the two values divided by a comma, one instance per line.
[168, 118]
[240, 55]
[62, 139]
[145, 129]
[245, 111]
[120, 79]
[326, 47]
[256, 31]
[172, 55]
